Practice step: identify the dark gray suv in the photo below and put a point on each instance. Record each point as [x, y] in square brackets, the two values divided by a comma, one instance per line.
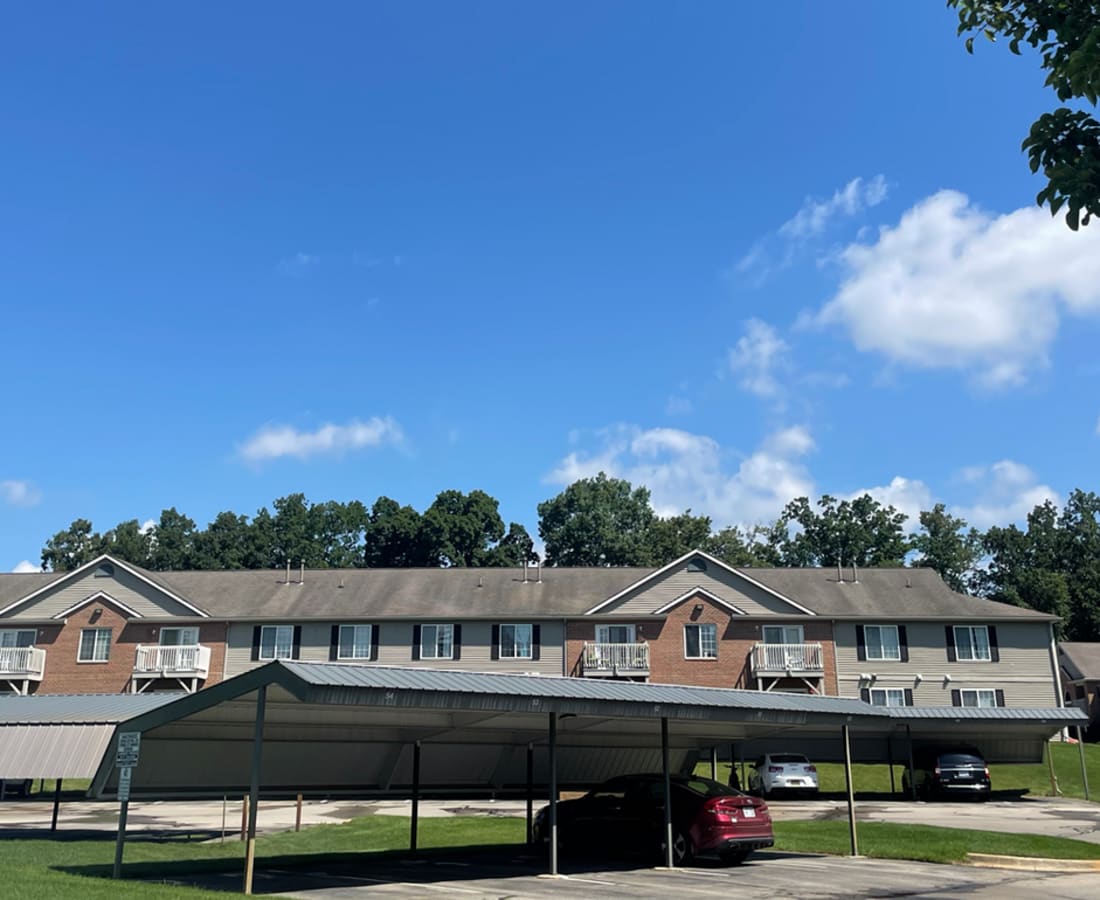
[949, 772]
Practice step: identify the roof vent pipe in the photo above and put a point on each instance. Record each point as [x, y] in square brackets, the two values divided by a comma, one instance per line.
[839, 574]
[287, 572]
[302, 577]
[855, 574]
[538, 569]
[525, 570]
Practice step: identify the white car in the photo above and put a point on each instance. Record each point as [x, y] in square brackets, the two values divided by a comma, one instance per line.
[783, 772]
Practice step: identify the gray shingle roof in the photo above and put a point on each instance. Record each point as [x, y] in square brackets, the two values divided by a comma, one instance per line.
[1080, 659]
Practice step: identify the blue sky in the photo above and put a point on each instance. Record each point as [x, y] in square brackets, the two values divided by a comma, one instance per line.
[732, 253]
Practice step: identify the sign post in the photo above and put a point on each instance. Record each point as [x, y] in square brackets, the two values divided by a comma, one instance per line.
[129, 747]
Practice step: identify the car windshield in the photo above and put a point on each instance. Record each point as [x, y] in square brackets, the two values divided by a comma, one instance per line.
[788, 758]
[960, 759]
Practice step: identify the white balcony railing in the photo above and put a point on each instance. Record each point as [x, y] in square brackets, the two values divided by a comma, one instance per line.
[22, 663]
[783, 658]
[615, 659]
[187, 660]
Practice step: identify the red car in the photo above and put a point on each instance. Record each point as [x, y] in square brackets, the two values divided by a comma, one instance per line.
[627, 814]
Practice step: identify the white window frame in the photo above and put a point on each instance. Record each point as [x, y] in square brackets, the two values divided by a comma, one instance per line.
[603, 634]
[15, 632]
[887, 695]
[787, 630]
[882, 629]
[190, 631]
[101, 645]
[356, 643]
[977, 695]
[275, 654]
[517, 643]
[971, 644]
[711, 645]
[442, 643]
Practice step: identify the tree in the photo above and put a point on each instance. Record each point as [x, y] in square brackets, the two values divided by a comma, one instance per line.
[462, 529]
[670, 538]
[393, 536]
[945, 544]
[514, 549]
[71, 548]
[1064, 143]
[597, 521]
[757, 546]
[859, 532]
[172, 542]
[225, 544]
[128, 541]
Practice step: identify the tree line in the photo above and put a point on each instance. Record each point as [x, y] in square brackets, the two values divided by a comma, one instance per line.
[1051, 565]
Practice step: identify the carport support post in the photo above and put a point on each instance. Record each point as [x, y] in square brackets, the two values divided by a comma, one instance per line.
[1081, 751]
[57, 798]
[668, 791]
[415, 797]
[530, 793]
[553, 748]
[912, 768]
[851, 792]
[714, 763]
[254, 787]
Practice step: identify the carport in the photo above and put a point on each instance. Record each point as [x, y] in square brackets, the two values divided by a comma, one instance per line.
[330, 728]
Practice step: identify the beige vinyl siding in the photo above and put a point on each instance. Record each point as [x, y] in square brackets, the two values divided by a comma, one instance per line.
[138, 595]
[729, 586]
[1024, 671]
[395, 647]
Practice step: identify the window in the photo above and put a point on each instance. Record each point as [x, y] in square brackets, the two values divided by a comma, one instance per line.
[10, 640]
[972, 643]
[980, 697]
[516, 642]
[889, 697]
[436, 642]
[882, 642]
[276, 642]
[697, 565]
[179, 637]
[354, 642]
[614, 634]
[95, 645]
[105, 570]
[782, 634]
[701, 641]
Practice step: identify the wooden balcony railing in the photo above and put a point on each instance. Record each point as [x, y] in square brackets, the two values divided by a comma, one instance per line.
[796, 659]
[160, 661]
[24, 663]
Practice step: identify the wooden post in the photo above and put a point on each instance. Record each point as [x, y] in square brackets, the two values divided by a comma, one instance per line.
[244, 817]
[1081, 752]
[254, 787]
[298, 815]
[851, 790]
[1054, 789]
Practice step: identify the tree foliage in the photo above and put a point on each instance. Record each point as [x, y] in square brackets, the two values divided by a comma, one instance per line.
[1064, 143]
[945, 544]
[860, 532]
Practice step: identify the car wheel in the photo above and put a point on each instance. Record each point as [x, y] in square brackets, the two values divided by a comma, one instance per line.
[682, 851]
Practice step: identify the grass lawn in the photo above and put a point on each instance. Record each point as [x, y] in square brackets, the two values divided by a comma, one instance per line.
[1033, 779]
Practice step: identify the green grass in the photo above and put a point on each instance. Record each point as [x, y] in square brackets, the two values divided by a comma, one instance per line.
[923, 842]
[1033, 779]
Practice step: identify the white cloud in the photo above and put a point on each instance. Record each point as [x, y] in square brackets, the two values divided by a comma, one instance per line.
[275, 441]
[1005, 492]
[684, 470]
[26, 566]
[951, 286]
[756, 356]
[19, 493]
[297, 265]
[906, 495]
[815, 214]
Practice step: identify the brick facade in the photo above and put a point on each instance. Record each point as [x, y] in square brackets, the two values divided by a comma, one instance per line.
[65, 674]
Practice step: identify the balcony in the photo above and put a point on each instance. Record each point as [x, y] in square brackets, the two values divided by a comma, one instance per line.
[615, 660]
[787, 659]
[183, 661]
[22, 663]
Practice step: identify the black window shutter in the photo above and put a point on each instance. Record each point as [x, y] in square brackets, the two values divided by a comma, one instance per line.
[334, 644]
[903, 642]
[861, 644]
[908, 696]
[374, 642]
[949, 632]
[865, 695]
[456, 644]
[1000, 697]
[536, 642]
[256, 632]
[296, 652]
[416, 642]
[956, 698]
[495, 654]
[994, 650]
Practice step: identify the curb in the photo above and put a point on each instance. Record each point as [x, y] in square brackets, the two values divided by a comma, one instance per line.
[1032, 863]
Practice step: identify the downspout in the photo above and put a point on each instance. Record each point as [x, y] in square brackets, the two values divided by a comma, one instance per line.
[836, 663]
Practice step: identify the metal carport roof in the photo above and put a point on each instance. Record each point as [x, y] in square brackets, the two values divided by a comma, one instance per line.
[333, 727]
